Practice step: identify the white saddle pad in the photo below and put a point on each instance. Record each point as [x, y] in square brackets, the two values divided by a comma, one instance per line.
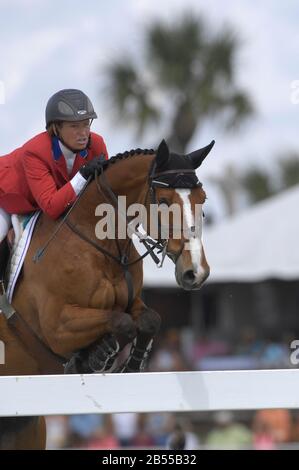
[21, 245]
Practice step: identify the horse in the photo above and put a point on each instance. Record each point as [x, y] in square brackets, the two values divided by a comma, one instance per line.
[78, 301]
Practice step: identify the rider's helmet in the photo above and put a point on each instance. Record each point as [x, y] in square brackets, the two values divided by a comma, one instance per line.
[69, 105]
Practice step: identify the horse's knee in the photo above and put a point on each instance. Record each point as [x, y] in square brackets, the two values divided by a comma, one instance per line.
[149, 322]
[123, 327]
[100, 355]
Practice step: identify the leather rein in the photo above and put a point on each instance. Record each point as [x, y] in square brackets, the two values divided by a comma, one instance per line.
[47, 360]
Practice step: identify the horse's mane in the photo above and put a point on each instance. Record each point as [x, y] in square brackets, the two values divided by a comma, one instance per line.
[129, 153]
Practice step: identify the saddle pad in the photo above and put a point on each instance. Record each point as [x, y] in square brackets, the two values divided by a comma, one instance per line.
[22, 242]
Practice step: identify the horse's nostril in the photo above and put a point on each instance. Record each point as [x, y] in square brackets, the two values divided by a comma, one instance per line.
[188, 277]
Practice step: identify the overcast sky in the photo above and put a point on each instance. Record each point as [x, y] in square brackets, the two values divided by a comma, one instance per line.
[47, 45]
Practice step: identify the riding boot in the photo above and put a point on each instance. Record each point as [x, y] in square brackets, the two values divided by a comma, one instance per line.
[5, 307]
[4, 254]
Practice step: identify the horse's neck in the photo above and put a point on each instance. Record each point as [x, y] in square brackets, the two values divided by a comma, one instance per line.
[126, 178]
[129, 178]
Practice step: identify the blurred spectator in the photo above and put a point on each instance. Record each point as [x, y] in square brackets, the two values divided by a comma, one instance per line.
[248, 342]
[207, 346]
[159, 426]
[104, 437]
[126, 427]
[276, 423]
[142, 438]
[295, 428]
[227, 434]
[263, 438]
[177, 439]
[275, 355]
[169, 357]
[82, 427]
[183, 437]
[57, 431]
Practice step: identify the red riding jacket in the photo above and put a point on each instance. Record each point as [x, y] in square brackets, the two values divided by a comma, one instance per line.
[35, 176]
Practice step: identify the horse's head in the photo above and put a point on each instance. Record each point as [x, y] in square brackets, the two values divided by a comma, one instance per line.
[165, 193]
[175, 187]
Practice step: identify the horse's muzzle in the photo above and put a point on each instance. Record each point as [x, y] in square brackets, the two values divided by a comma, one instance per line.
[189, 279]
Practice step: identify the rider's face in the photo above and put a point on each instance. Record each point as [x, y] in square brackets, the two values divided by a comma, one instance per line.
[75, 134]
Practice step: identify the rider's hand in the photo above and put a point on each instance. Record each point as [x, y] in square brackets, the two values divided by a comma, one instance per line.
[89, 169]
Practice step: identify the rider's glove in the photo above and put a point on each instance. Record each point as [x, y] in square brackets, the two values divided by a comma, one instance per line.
[89, 169]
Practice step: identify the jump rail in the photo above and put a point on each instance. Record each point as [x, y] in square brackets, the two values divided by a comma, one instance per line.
[149, 392]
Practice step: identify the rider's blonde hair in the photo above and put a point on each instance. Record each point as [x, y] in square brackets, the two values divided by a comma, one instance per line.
[51, 129]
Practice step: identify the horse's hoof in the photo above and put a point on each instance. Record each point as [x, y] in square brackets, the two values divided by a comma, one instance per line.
[77, 366]
[103, 355]
[71, 367]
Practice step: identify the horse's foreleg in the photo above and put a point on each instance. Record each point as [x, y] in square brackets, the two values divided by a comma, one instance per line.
[101, 354]
[22, 433]
[148, 324]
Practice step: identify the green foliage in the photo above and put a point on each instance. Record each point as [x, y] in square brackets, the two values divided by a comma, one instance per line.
[191, 69]
[257, 184]
[289, 170]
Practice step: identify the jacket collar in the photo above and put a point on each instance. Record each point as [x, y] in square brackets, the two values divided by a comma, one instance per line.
[57, 152]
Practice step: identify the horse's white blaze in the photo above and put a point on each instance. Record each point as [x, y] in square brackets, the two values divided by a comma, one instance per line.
[195, 243]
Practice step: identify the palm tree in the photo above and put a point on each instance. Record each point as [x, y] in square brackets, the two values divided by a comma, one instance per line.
[258, 184]
[230, 186]
[289, 169]
[187, 76]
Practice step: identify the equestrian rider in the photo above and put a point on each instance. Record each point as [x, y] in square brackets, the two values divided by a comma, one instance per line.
[50, 170]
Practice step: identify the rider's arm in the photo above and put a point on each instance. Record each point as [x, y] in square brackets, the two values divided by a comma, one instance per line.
[51, 200]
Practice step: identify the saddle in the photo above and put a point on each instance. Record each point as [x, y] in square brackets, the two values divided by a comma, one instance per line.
[9, 258]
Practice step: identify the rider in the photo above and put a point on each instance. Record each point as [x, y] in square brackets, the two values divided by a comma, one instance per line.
[49, 171]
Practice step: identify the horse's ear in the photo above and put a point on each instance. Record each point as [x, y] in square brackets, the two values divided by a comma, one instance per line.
[198, 156]
[162, 154]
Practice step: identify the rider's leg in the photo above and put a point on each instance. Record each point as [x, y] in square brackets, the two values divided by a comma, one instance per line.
[5, 223]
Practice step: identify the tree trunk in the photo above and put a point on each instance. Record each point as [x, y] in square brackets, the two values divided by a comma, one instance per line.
[183, 128]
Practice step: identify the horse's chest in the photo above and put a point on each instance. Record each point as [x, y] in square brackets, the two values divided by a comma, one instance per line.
[111, 293]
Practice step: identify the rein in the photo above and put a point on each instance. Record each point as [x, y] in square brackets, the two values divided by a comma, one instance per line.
[182, 178]
[123, 257]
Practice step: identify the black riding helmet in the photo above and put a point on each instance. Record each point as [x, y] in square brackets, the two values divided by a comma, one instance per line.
[69, 105]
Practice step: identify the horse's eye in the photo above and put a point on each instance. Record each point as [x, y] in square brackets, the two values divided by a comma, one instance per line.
[203, 214]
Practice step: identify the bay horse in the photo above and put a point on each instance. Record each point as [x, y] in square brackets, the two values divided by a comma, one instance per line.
[78, 302]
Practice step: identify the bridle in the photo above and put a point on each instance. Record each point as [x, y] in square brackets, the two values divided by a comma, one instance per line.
[171, 179]
[149, 243]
